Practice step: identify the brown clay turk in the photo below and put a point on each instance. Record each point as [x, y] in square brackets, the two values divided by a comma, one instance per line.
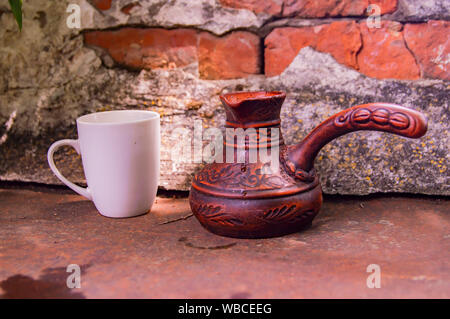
[242, 198]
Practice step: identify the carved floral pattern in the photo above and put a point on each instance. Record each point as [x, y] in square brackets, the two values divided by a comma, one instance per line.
[239, 176]
[284, 214]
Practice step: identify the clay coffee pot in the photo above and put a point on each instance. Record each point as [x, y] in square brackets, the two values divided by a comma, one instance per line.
[244, 199]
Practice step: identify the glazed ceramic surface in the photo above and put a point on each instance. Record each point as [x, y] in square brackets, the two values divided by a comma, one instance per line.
[120, 155]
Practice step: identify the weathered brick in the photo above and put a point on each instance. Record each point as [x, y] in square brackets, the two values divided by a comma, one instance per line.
[235, 55]
[430, 44]
[147, 48]
[386, 6]
[102, 4]
[232, 56]
[384, 53]
[341, 39]
[282, 45]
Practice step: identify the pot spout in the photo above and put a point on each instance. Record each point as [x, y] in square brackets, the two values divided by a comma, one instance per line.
[375, 117]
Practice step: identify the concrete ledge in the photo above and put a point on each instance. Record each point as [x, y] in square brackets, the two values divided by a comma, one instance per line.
[167, 254]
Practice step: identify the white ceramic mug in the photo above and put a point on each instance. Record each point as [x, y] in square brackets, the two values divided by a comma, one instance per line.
[120, 155]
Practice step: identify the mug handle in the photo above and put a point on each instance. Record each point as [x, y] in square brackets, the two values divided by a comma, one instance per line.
[86, 192]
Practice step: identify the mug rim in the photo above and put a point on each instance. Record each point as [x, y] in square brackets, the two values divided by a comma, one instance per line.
[87, 118]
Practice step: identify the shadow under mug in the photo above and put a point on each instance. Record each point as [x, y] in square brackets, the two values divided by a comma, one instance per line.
[120, 151]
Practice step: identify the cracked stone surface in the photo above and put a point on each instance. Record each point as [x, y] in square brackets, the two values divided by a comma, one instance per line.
[206, 15]
[48, 78]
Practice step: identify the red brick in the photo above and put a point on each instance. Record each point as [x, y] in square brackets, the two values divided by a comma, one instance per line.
[147, 48]
[384, 53]
[102, 4]
[272, 7]
[341, 39]
[235, 55]
[386, 6]
[282, 45]
[430, 44]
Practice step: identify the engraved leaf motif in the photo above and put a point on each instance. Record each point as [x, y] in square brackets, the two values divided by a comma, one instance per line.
[286, 214]
[279, 212]
[214, 214]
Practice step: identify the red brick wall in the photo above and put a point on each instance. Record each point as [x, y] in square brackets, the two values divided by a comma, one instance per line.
[395, 50]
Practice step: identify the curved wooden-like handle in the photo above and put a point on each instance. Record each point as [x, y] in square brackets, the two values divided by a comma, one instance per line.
[374, 116]
[380, 117]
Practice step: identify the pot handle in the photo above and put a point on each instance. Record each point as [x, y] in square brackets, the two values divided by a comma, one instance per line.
[384, 117]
